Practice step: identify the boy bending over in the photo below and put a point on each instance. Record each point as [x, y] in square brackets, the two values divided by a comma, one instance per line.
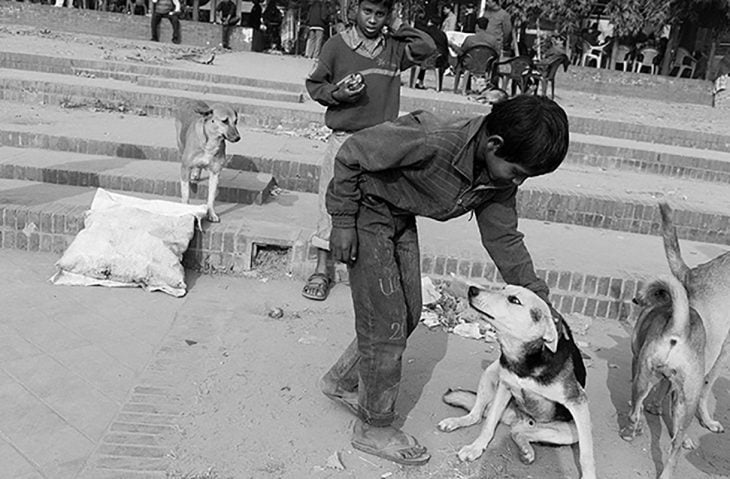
[387, 175]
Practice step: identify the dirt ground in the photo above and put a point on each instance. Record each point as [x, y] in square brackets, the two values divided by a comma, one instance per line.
[254, 410]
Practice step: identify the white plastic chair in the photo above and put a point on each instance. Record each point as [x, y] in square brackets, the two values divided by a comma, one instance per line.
[593, 52]
[645, 59]
[622, 58]
[684, 62]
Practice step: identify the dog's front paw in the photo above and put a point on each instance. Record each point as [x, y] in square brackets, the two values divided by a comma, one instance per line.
[712, 425]
[472, 452]
[213, 218]
[452, 423]
[689, 443]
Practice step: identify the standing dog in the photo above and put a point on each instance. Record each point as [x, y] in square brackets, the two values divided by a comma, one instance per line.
[202, 132]
[696, 299]
[537, 384]
[668, 345]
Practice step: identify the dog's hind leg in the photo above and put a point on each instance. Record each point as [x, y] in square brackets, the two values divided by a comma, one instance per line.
[485, 394]
[474, 450]
[653, 402]
[682, 412]
[527, 431]
[640, 388]
[703, 412]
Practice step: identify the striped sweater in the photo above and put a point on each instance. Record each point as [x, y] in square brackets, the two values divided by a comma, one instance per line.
[381, 73]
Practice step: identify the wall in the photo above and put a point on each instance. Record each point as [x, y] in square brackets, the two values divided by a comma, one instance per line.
[112, 24]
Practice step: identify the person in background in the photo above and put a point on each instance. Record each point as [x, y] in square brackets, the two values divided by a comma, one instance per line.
[500, 25]
[318, 23]
[430, 26]
[272, 19]
[481, 37]
[470, 19]
[169, 9]
[226, 11]
[258, 42]
[449, 18]
[357, 77]
[347, 14]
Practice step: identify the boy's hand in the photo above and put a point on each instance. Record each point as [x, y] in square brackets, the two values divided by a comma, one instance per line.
[343, 245]
[349, 89]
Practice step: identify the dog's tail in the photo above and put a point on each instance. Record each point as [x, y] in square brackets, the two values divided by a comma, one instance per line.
[670, 288]
[671, 245]
[461, 398]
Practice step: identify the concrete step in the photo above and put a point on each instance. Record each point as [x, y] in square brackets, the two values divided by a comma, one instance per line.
[222, 89]
[596, 275]
[638, 128]
[124, 174]
[294, 156]
[574, 194]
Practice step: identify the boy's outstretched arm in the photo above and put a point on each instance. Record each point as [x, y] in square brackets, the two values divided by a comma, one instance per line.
[497, 222]
[419, 45]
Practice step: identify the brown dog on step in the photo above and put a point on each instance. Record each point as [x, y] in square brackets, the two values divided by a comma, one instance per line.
[680, 341]
[202, 132]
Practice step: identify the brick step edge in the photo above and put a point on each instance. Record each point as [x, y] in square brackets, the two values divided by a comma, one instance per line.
[129, 183]
[219, 250]
[299, 176]
[566, 207]
[585, 125]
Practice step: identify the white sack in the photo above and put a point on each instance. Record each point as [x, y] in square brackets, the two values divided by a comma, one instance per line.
[128, 241]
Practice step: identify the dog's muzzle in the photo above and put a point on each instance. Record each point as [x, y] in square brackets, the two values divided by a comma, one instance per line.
[232, 137]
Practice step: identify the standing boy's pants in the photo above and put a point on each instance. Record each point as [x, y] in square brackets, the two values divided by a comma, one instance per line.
[315, 37]
[226, 30]
[386, 294]
[174, 21]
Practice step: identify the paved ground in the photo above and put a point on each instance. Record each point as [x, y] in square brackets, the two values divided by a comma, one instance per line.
[98, 383]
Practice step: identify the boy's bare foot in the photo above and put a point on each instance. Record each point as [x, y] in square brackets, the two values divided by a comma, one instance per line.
[389, 443]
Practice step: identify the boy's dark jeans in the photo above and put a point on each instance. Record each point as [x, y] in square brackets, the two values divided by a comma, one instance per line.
[174, 21]
[386, 294]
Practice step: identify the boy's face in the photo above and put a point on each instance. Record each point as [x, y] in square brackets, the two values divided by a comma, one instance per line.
[501, 171]
[371, 18]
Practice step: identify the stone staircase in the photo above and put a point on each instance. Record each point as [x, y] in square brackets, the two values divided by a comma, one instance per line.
[590, 226]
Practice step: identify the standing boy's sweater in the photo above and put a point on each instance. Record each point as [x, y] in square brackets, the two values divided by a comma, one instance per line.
[380, 67]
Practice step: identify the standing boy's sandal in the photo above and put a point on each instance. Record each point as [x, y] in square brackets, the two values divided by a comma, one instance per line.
[317, 287]
[397, 452]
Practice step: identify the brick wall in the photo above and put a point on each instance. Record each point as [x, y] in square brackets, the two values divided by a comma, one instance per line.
[118, 25]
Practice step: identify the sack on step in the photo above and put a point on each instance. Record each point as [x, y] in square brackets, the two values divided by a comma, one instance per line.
[129, 241]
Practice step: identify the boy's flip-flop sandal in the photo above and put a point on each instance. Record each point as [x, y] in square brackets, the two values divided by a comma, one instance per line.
[317, 287]
[394, 452]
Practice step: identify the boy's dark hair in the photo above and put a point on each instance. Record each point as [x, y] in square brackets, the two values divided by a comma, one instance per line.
[388, 4]
[534, 130]
[482, 23]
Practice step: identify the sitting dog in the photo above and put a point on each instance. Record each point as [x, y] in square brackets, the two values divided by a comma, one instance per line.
[536, 386]
[202, 132]
[687, 363]
[668, 344]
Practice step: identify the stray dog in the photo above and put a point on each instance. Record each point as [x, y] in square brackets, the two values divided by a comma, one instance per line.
[668, 345]
[202, 132]
[707, 291]
[536, 386]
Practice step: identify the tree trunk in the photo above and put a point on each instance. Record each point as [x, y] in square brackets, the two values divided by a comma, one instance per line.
[669, 51]
[711, 58]
[614, 54]
[196, 10]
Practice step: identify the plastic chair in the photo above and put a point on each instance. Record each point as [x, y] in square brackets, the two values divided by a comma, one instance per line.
[434, 63]
[547, 72]
[645, 59]
[517, 71]
[683, 62]
[476, 61]
[622, 57]
[593, 52]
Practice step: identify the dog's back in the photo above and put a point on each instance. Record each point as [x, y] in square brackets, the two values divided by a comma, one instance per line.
[186, 116]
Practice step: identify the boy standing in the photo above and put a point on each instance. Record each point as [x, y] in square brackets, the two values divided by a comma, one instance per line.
[226, 11]
[386, 176]
[357, 77]
[169, 9]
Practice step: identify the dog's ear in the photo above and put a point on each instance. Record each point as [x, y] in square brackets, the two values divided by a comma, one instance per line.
[655, 293]
[550, 332]
[203, 110]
